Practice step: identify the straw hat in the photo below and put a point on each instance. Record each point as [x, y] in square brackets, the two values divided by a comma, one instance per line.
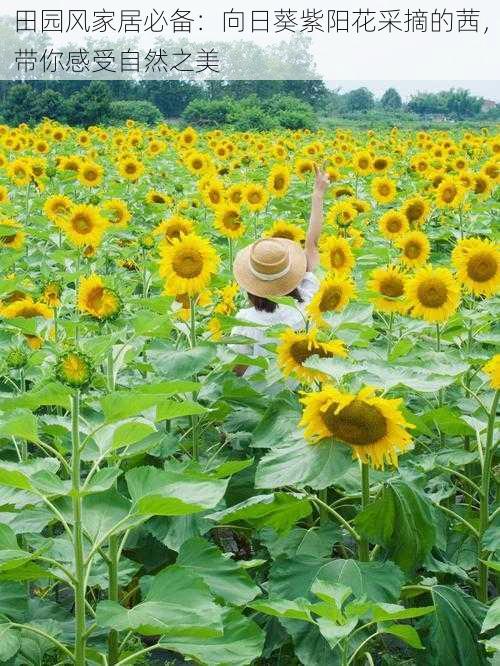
[270, 267]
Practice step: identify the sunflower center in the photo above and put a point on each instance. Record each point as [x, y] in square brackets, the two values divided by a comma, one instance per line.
[358, 423]
[432, 293]
[197, 164]
[7, 240]
[392, 286]
[157, 198]
[330, 299]
[394, 225]
[214, 196]
[130, 168]
[413, 250]
[363, 163]
[232, 221]
[303, 349]
[481, 186]
[449, 194]
[188, 264]
[279, 182]
[91, 175]
[81, 224]
[482, 267]
[254, 197]
[414, 211]
[384, 189]
[337, 258]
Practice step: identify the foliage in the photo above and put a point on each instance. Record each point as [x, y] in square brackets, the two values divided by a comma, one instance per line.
[143, 112]
[160, 495]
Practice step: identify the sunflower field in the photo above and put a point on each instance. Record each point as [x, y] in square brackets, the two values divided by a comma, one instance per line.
[335, 504]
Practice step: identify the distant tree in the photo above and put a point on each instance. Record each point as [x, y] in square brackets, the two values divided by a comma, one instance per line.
[134, 109]
[20, 103]
[360, 99]
[454, 103]
[391, 100]
[90, 106]
[50, 104]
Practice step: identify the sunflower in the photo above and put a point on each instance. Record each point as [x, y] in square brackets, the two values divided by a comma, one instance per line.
[433, 294]
[372, 426]
[188, 137]
[333, 295]
[14, 240]
[74, 369]
[389, 283]
[303, 167]
[159, 198]
[97, 300]
[363, 163]
[279, 181]
[450, 193]
[284, 229]
[393, 224]
[415, 248]
[255, 197]
[71, 164]
[84, 226]
[187, 264]
[197, 163]
[116, 213]
[295, 348]
[51, 294]
[235, 194]
[213, 193]
[90, 174]
[416, 210]
[342, 214]
[27, 308]
[228, 221]
[482, 185]
[215, 329]
[381, 164]
[336, 255]
[19, 171]
[174, 227]
[4, 194]
[131, 169]
[492, 369]
[478, 265]
[383, 190]
[57, 208]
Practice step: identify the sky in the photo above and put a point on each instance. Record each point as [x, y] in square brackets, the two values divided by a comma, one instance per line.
[487, 89]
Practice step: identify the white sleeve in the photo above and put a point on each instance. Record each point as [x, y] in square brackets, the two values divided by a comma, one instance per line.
[244, 350]
[308, 287]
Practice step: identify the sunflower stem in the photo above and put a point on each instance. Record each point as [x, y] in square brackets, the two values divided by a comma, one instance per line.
[389, 335]
[80, 573]
[363, 548]
[484, 501]
[323, 512]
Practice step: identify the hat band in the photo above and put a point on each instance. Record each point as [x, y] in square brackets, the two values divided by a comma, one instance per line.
[270, 277]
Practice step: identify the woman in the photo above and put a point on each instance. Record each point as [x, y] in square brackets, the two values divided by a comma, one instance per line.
[273, 267]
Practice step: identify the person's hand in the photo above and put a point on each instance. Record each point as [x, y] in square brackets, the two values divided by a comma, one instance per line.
[322, 180]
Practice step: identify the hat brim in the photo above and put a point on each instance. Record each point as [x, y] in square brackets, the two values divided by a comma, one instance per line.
[264, 288]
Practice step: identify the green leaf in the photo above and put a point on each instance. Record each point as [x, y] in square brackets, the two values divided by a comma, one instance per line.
[447, 421]
[20, 423]
[297, 463]
[294, 610]
[123, 433]
[182, 364]
[334, 632]
[492, 618]
[178, 603]
[376, 581]
[456, 626]
[52, 393]
[224, 577]
[241, 644]
[382, 612]
[278, 510]
[402, 520]
[406, 633]
[278, 424]
[125, 404]
[171, 493]
[9, 642]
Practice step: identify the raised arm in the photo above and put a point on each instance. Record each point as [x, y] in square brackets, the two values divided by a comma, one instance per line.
[321, 182]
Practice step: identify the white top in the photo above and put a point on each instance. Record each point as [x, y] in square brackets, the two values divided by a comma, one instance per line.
[284, 315]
